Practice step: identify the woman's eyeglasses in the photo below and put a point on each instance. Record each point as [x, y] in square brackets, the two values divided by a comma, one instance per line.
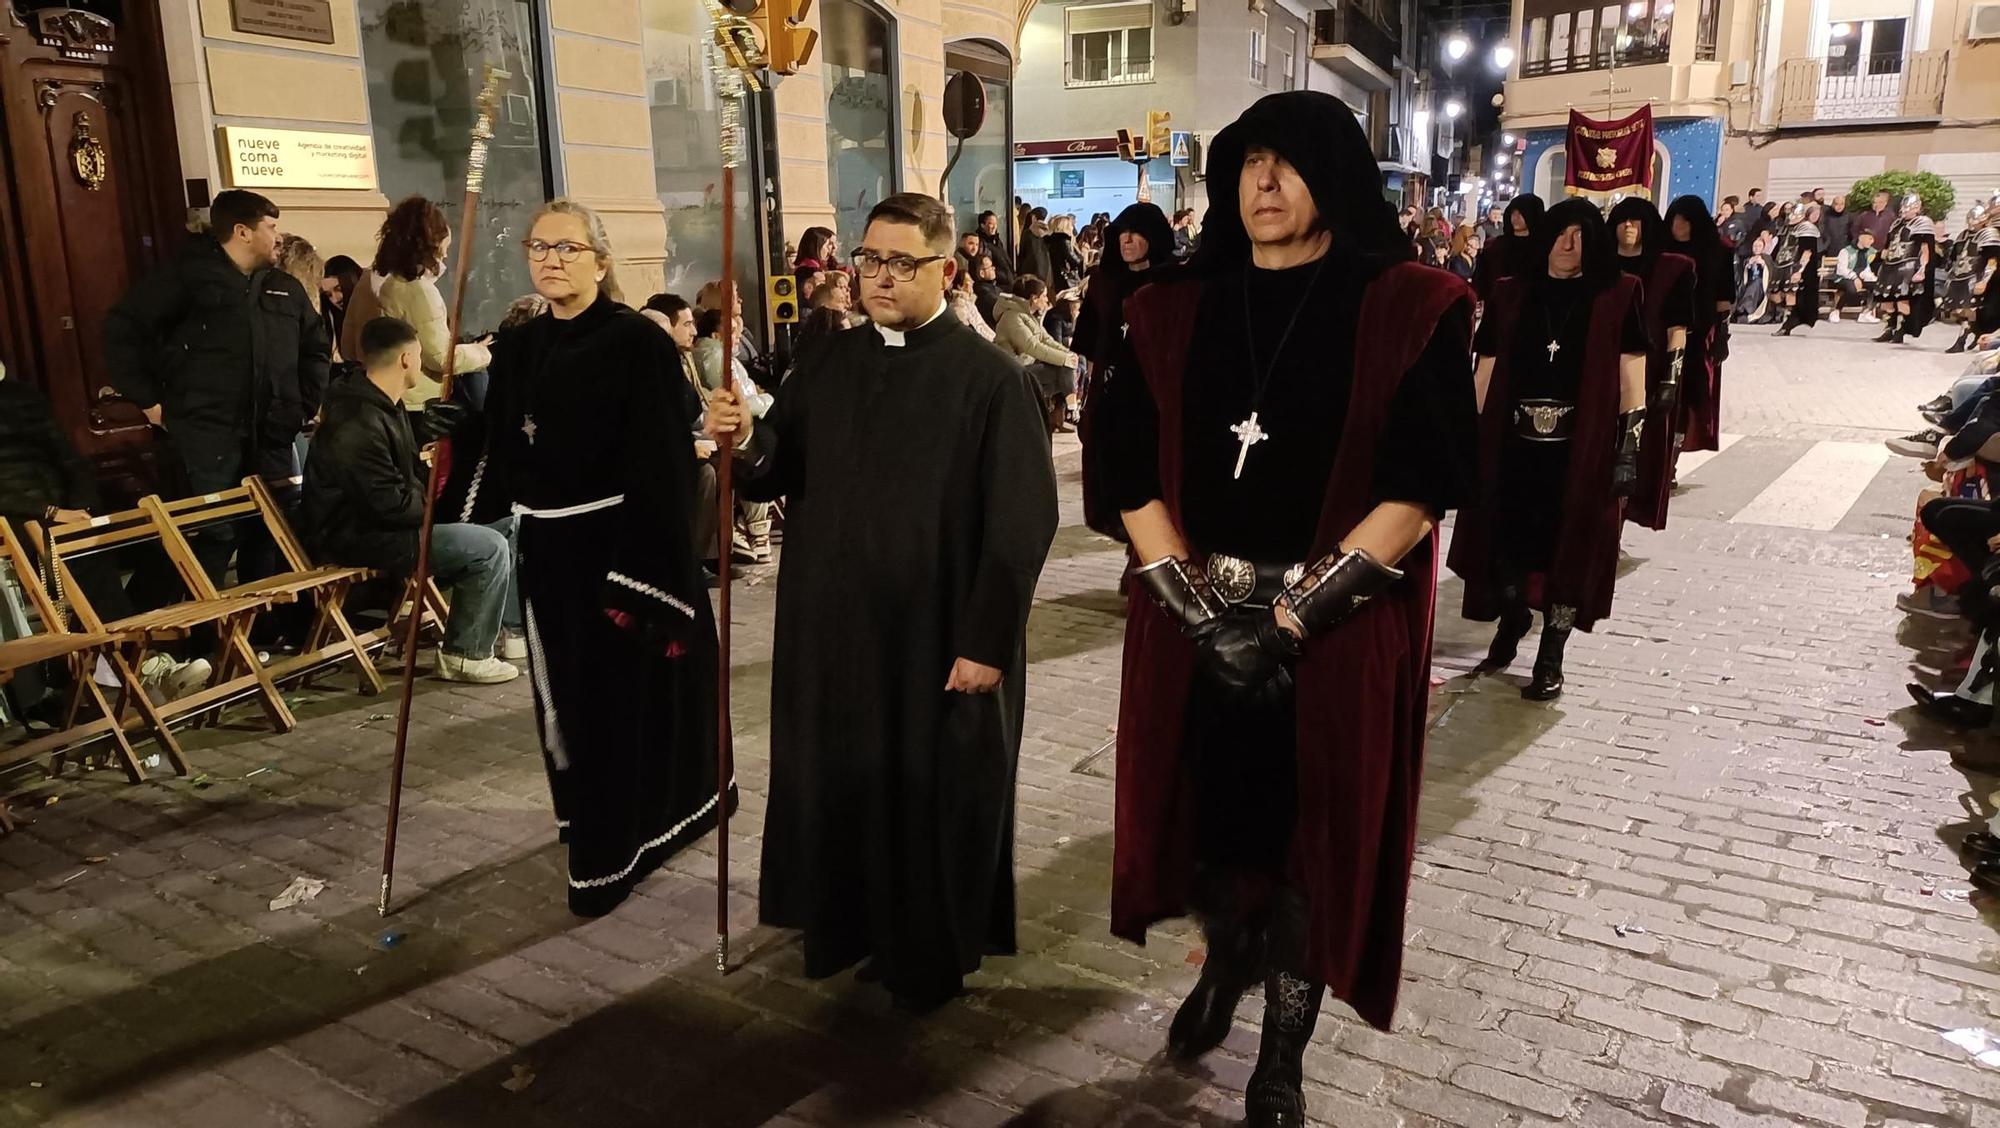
[902, 268]
[566, 251]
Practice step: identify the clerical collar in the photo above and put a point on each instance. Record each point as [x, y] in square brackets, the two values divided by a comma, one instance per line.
[896, 339]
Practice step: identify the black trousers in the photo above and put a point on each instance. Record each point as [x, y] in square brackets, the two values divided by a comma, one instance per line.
[1965, 525]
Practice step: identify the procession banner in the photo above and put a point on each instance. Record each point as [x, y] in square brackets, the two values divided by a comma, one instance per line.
[1610, 157]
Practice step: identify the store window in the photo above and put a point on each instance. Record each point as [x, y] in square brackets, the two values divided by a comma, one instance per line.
[1109, 44]
[425, 60]
[687, 159]
[863, 161]
[981, 172]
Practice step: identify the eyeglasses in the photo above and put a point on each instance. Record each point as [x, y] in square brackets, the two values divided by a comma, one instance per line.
[566, 251]
[902, 268]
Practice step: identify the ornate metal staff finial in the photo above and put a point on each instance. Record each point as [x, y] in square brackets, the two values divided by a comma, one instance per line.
[736, 55]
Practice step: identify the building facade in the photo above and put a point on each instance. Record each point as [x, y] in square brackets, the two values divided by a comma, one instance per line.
[1092, 67]
[336, 108]
[1787, 95]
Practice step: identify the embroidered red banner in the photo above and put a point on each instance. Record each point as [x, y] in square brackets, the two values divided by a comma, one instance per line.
[1610, 157]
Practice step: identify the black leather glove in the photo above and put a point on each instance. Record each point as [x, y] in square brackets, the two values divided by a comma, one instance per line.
[442, 417]
[1247, 654]
[1667, 393]
[1625, 467]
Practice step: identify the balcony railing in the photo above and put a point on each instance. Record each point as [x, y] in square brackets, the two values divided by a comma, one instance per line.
[1867, 88]
[1107, 72]
[1349, 25]
[1637, 55]
[1705, 31]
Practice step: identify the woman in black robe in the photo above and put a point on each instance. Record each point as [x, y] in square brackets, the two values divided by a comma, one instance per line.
[1513, 250]
[1691, 231]
[1669, 294]
[587, 422]
[1138, 249]
[1562, 359]
[1795, 268]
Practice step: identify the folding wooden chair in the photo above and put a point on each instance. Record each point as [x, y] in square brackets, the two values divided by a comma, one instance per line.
[80, 650]
[237, 671]
[331, 636]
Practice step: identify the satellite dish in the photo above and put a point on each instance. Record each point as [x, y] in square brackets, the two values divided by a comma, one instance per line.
[964, 105]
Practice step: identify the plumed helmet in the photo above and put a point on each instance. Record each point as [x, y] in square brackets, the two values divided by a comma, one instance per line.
[1911, 200]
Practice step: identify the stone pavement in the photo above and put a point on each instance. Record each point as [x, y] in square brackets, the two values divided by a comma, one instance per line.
[1713, 885]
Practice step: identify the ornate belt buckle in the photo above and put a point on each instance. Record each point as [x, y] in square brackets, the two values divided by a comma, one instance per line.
[1233, 579]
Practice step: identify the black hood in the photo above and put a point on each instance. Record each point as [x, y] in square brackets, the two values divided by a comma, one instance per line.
[354, 389]
[1320, 137]
[1147, 220]
[1529, 207]
[1706, 241]
[1652, 234]
[1598, 258]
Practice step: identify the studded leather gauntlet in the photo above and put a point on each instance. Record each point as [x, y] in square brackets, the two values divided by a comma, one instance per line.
[1181, 589]
[1625, 467]
[1332, 590]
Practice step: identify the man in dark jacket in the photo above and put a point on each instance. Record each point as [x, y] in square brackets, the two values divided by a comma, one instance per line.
[364, 501]
[226, 353]
[1836, 228]
[995, 247]
[1034, 258]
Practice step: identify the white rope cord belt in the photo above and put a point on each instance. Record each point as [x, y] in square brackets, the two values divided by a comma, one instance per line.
[672, 832]
[571, 510]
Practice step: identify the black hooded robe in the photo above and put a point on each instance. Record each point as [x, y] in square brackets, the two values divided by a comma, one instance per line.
[586, 439]
[921, 504]
[1099, 338]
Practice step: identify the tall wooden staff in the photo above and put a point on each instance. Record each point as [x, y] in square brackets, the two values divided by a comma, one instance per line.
[475, 176]
[736, 58]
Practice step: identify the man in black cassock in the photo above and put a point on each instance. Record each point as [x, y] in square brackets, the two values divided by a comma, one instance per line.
[920, 507]
[1293, 416]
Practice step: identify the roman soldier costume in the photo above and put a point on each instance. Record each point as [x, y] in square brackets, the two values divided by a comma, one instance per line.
[1903, 284]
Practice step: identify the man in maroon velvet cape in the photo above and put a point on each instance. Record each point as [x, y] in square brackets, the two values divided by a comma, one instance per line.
[1275, 463]
[1562, 377]
[1691, 232]
[1668, 282]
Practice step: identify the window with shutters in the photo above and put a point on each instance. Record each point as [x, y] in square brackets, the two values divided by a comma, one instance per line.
[1260, 26]
[1109, 44]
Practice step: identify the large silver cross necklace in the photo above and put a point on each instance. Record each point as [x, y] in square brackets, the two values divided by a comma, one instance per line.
[1249, 432]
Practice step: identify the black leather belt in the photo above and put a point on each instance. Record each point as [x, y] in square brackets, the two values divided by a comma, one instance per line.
[1545, 420]
[1244, 583]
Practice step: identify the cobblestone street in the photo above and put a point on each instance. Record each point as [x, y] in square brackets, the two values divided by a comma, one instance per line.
[1715, 884]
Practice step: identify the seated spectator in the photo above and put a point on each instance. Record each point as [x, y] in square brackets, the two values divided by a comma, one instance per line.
[1021, 333]
[364, 501]
[986, 289]
[1854, 276]
[963, 299]
[672, 313]
[750, 540]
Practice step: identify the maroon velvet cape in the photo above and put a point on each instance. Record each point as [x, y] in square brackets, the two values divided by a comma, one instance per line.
[1648, 505]
[1362, 688]
[1585, 570]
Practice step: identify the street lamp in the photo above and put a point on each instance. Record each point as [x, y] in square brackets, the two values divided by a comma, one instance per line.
[1503, 57]
[1457, 46]
[1506, 139]
[1453, 108]
[1500, 160]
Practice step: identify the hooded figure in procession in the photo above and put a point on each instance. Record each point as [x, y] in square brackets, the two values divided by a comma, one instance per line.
[1691, 233]
[920, 507]
[1281, 471]
[1139, 247]
[1513, 250]
[1562, 379]
[1668, 280]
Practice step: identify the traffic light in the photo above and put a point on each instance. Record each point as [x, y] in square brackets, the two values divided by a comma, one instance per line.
[1159, 133]
[1130, 149]
[788, 43]
[784, 293]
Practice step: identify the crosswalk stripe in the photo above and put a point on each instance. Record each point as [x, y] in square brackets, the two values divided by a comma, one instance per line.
[1817, 490]
[1693, 460]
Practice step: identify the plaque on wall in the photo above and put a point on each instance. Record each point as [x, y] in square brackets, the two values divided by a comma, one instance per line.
[309, 21]
[297, 158]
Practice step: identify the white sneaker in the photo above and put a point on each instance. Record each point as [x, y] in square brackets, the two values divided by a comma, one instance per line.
[1867, 318]
[476, 671]
[512, 646]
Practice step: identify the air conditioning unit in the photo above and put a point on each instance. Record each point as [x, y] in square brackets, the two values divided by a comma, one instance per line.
[1985, 22]
[1739, 71]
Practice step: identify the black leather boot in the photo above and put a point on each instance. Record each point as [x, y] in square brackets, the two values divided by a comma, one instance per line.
[1889, 323]
[1275, 1097]
[1235, 963]
[1958, 346]
[1548, 681]
[1515, 622]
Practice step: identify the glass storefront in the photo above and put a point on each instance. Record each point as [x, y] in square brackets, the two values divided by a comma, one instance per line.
[1085, 186]
[981, 180]
[857, 53]
[425, 59]
[687, 163]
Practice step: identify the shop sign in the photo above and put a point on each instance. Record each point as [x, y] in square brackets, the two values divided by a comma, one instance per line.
[308, 21]
[1080, 147]
[1069, 184]
[297, 158]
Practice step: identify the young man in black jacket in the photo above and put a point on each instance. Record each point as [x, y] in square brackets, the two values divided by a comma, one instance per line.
[226, 353]
[364, 501]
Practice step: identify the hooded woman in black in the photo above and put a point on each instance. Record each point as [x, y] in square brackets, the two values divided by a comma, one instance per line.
[1669, 295]
[1691, 232]
[1099, 333]
[1291, 417]
[1513, 250]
